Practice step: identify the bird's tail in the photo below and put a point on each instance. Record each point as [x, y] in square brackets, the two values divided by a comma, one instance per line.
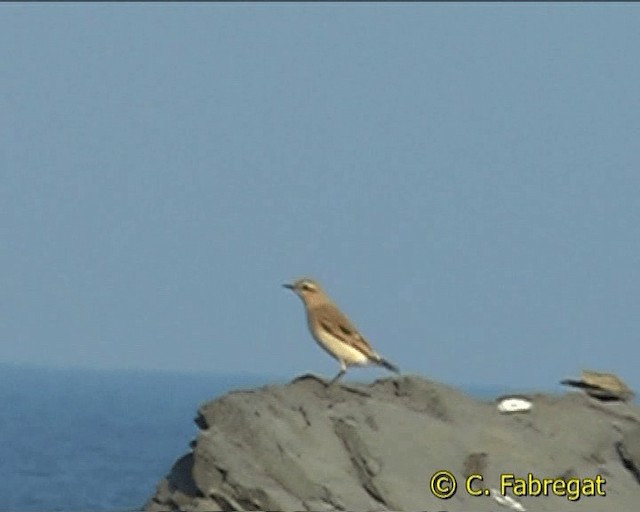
[389, 366]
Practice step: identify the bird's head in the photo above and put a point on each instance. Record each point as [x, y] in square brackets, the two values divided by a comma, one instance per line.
[307, 289]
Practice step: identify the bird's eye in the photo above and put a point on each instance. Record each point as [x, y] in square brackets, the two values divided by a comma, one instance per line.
[307, 287]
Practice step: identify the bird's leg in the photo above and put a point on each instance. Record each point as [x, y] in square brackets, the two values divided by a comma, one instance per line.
[343, 370]
[337, 378]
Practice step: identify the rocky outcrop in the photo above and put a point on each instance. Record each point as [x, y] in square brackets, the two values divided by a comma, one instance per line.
[303, 446]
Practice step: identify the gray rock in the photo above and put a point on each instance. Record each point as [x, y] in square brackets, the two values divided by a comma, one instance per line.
[303, 446]
[629, 451]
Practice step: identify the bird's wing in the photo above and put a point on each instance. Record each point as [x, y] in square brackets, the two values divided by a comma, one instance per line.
[339, 326]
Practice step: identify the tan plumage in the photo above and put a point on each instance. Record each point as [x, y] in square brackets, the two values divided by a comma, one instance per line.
[328, 317]
[333, 331]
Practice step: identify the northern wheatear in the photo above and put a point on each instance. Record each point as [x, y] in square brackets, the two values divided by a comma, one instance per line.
[333, 331]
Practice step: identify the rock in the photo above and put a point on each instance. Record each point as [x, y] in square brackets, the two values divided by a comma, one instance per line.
[629, 450]
[178, 491]
[303, 446]
[474, 464]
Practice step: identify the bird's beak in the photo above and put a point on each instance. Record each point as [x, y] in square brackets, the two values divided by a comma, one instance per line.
[287, 285]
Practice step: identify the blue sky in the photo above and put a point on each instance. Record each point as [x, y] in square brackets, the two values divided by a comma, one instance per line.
[462, 178]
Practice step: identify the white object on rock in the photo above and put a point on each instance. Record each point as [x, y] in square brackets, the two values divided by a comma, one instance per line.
[514, 403]
[507, 501]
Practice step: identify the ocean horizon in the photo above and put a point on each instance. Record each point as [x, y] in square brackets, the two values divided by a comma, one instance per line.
[82, 439]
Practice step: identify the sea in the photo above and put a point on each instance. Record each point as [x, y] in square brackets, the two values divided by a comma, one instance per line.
[76, 439]
[85, 440]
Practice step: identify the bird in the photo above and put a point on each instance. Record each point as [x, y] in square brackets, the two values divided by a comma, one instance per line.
[602, 386]
[333, 331]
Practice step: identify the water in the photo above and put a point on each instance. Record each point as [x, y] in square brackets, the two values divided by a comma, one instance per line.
[95, 440]
[100, 440]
